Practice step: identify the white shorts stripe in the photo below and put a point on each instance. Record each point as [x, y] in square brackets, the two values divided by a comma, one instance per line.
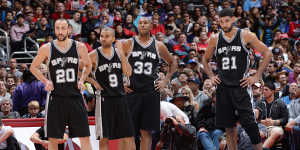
[98, 116]
[46, 113]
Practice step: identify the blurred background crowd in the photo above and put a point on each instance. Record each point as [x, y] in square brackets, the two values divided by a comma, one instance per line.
[185, 27]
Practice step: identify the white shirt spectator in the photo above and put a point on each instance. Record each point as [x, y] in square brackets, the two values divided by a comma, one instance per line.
[168, 109]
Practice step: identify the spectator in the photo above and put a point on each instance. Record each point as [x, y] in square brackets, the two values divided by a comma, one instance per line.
[92, 41]
[208, 87]
[168, 109]
[17, 31]
[12, 90]
[294, 29]
[89, 25]
[293, 126]
[33, 110]
[190, 106]
[292, 94]
[128, 26]
[6, 110]
[13, 68]
[75, 5]
[10, 81]
[3, 73]
[194, 32]
[257, 92]
[8, 139]
[203, 40]
[182, 79]
[59, 12]
[44, 29]
[282, 84]
[270, 73]
[75, 22]
[181, 48]
[275, 115]
[30, 89]
[41, 142]
[207, 133]
[199, 96]
[293, 75]
[156, 26]
[266, 28]
[4, 9]
[248, 4]
[8, 22]
[120, 34]
[187, 23]
[3, 91]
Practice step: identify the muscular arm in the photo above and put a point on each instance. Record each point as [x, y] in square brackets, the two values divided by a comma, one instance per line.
[250, 38]
[208, 54]
[93, 58]
[86, 62]
[167, 57]
[126, 68]
[126, 46]
[42, 55]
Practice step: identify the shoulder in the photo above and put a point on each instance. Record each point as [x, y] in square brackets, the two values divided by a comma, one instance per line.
[248, 36]
[80, 44]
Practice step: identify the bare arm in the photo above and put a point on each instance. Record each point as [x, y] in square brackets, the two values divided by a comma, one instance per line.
[126, 46]
[35, 139]
[6, 134]
[208, 54]
[94, 58]
[42, 55]
[86, 62]
[260, 47]
[126, 68]
[167, 57]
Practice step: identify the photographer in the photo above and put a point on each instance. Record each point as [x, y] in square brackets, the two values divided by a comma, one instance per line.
[176, 134]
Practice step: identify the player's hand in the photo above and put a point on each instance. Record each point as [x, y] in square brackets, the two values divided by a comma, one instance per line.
[215, 80]
[127, 89]
[98, 86]
[248, 81]
[161, 84]
[48, 86]
[81, 85]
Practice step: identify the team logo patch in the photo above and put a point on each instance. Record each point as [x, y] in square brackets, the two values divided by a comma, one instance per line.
[109, 68]
[63, 61]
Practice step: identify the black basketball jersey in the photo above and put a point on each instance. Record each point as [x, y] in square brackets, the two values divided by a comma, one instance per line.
[144, 61]
[109, 74]
[232, 59]
[63, 70]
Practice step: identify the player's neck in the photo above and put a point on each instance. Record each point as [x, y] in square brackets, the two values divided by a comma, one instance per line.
[107, 50]
[144, 38]
[62, 44]
[231, 33]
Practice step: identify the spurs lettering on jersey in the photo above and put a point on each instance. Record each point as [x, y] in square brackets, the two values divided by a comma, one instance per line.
[64, 75]
[144, 54]
[229, 49]
[109, 67]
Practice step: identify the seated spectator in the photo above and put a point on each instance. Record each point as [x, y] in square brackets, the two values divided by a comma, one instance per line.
[59, 11]
[12, 90]
[10, 81]
[207, 133]
[293, 75]
[6, 110]
[275, 115]
[293, 126]
[92, 41]
[208, 87]
[292, 94]
[41, 142]
[30, 89]
[282, 82]
[16, 33]
[8, 140]
[33, 110]
[44, 29]
[178, 135]
[199, 96]
[181, 48]
[156, 26]
[3, 73]
[3, 91]
[75, 22]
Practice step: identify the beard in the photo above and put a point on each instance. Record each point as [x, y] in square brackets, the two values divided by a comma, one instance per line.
[63, 39]
[229, 29]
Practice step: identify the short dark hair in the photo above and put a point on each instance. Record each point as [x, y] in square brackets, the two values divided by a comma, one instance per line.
[226, 12]
[270, 85]
[20, 15]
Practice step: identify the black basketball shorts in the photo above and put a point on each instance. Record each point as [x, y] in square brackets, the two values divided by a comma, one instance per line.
[66, 111]
[145, 110]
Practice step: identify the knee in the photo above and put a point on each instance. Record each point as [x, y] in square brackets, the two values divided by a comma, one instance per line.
[146, 134]
[277, 132]
[201, 134]
[217, 133]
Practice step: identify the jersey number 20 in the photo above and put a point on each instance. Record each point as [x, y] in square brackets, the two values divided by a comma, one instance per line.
[229, 63]
[63, 76]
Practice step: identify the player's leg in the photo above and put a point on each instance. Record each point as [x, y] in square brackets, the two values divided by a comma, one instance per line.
[85, 143]
[243, 105]
[150, 118]
[231, 138]
[225, 116]
[146, 140]
[52, 144]
[103, 144]
[78, 122]
[127, 143]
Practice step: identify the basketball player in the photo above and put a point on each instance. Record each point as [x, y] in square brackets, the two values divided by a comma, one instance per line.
[110, 64]
[65, 104]
[232, 56]
[144, 54]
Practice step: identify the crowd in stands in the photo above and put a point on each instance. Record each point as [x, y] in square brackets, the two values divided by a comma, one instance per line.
[185, 27]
